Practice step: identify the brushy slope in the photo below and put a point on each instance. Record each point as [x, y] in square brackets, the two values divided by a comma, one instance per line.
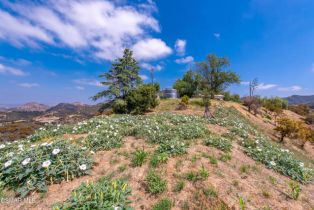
[43, 159]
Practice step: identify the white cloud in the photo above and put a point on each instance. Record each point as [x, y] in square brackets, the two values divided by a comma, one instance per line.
[217, 35]
[100, 28]
[89, 82]
[244, 83]
[150, 49]
[263, 86]
[80, 88]
[149, 66]
[28, 85]
[187, 59]
[294, 88]
[180, 46]
[19, 31]
[143, 77]
[10, 70]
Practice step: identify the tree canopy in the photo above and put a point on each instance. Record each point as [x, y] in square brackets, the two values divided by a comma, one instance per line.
[188, 85]
[214, 78]
[122, 77]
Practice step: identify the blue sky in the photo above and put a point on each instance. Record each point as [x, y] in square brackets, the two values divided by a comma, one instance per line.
[53, 51]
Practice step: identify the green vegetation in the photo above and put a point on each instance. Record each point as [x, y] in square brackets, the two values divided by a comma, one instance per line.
[201, 175]
[163, 204]
[179, 186]
[138, 158]
[125, 94]
[295, 190]
[260, 147]
[188, 85]
[27, 168]
[104, 194]
[214, 78]
[219, 142]
[155, 184]
[158, 158]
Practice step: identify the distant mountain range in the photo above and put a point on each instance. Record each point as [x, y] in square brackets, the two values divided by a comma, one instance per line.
[297, 99]
[64, 112]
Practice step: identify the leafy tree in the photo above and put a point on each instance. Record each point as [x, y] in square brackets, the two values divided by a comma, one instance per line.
[214, 78]
[188, 85]
[122, 78]
[287, 127]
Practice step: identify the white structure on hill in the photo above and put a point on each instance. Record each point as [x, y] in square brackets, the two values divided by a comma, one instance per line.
[169, 93]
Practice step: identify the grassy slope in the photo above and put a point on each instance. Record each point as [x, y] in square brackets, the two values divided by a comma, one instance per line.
[241, 177]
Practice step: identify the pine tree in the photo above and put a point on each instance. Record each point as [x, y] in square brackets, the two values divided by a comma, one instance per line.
[122, 78]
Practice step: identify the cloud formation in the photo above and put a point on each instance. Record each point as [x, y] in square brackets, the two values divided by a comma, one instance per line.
[151, 49]
[180, 46]
[263, 86]
[217, 35]
[149, 66]
[101, 27]
[28, 85]
[144, 77]
[11, 71]
[294, 88]
[88, 82]
[187, 59]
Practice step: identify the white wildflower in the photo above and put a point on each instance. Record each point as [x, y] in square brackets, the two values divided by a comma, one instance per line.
[8, 163]
[26, 161]
[55, 151]
[272, 163]
[46, 164]
[83, 167]
[2, 146]
[10, 154]
[302, 165]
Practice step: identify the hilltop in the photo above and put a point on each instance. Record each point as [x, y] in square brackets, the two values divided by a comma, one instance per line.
[215, 164]
[297, 99]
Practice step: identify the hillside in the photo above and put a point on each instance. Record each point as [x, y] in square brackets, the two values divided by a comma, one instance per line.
[229, 162]
[297, 99]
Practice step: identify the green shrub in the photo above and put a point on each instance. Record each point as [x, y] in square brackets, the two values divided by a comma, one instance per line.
[185, 99]
[138, 158]
[164, 204]
[178, 186]
[119, 106]
[103, 194]
[154, 183]
[295, 190]
[158, 158]
[202, 174]
[225, 157]
[221, 143]
[33, 168]
[141, 99]
[172, 148]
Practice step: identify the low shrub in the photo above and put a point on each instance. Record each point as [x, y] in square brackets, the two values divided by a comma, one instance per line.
[33, 168]
[172, 148]
[158, 158]
[164, 204]
[106, 193]
[219, 142]
[154, 183]
[138, 158]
